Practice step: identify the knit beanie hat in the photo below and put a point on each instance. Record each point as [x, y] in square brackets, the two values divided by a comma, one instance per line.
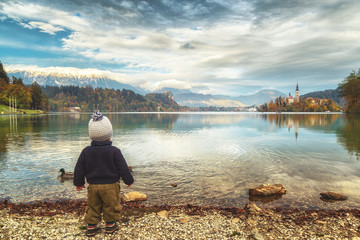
[100, 128]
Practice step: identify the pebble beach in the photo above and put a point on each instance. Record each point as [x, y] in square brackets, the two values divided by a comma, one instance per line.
[65, 220]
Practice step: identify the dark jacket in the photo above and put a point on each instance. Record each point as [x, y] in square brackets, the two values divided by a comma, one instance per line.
[101, 163]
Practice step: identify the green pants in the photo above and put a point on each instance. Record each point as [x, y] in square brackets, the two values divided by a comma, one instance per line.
[103, 198]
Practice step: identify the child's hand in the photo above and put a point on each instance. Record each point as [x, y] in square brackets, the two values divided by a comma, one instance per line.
[128, 186]
[79, 188]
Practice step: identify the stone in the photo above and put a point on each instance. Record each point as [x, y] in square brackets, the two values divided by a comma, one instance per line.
[266, 190]
[332, 196]
[164, 214]
[320, 222]
[256, 235]
[183, 221]
[252, 208]
[173, 184]
[133, 197]
[251, 222]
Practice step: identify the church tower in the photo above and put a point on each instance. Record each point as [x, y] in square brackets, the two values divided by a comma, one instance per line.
[297, 97]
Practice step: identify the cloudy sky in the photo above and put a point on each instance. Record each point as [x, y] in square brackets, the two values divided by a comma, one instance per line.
[207, 46]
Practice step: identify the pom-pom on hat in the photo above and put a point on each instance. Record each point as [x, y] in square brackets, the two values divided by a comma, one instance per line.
[100, 128]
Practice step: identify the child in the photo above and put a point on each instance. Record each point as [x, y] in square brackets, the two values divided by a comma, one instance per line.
[102, 165]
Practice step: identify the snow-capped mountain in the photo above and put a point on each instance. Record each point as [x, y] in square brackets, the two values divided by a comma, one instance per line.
[59, 77]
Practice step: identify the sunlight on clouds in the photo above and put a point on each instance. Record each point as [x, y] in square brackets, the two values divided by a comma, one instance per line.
[230, 73]
[44, 27]
[211, 44]
[172, 83]
[47, 18]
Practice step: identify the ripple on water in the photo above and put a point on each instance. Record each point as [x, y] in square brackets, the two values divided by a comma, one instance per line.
[213, 159]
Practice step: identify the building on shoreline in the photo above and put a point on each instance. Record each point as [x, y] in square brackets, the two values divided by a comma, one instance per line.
[297, 93]
[291, 99]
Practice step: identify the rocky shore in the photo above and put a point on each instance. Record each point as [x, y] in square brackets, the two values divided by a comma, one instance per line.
[64, 220]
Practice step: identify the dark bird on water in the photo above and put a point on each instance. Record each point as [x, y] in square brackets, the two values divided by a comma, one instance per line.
[64, 175]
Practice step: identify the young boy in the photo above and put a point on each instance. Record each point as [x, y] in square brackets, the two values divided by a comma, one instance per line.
[102, 165]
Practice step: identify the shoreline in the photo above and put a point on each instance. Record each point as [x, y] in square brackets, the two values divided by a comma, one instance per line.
[64, 220]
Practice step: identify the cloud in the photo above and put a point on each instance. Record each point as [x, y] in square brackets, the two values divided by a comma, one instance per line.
[187, 46]
[172, 83]
[32, 15]
[214, 44]
[44, 27]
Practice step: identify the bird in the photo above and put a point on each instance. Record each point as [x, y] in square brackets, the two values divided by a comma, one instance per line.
[68, 175]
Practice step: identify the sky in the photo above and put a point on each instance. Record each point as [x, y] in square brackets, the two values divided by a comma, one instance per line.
[206, 46]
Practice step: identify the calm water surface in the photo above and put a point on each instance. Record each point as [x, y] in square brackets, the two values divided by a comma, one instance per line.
[214, 158]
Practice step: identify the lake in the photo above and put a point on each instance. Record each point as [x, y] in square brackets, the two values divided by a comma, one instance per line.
[214, 158]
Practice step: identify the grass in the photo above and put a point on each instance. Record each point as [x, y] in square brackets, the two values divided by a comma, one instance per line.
[5, 110]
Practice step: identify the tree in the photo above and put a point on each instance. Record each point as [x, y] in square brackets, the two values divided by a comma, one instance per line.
[36, 95]
[4, 79]
[17, 81]
[349, 88]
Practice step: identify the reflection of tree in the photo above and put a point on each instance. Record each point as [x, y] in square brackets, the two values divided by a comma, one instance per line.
[13, 129]
[321, 122]
[349, 136]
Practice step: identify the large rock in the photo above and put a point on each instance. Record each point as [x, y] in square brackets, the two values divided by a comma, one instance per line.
[266, 190]
[332, 196]
[133, 197]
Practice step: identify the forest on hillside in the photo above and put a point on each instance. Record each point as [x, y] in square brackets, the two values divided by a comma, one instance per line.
[332, 94]
[89, 99]
[27, 97]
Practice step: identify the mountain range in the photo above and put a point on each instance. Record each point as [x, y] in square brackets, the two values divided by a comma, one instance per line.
[181, 96]
[190, 99]
[66, 79]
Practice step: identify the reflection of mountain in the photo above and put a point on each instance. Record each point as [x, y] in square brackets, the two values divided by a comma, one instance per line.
[349, 136]
[197, 121]
[141, 120]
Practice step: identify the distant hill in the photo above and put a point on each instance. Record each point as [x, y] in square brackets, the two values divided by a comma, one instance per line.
[165, 101]
[326, 94]
[260, 97]
[66, 79]
[175, 91]
[190, 99]
[61, 99]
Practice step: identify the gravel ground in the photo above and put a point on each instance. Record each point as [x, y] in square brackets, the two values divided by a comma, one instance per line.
[65, 221]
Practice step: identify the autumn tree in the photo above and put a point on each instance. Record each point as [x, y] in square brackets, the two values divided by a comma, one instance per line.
[349, 88]
[36, 95]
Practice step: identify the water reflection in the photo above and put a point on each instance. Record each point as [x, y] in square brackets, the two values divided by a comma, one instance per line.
[143, 120]
[327, 123]
[214, 158]
[349, 135]
[346, 127]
